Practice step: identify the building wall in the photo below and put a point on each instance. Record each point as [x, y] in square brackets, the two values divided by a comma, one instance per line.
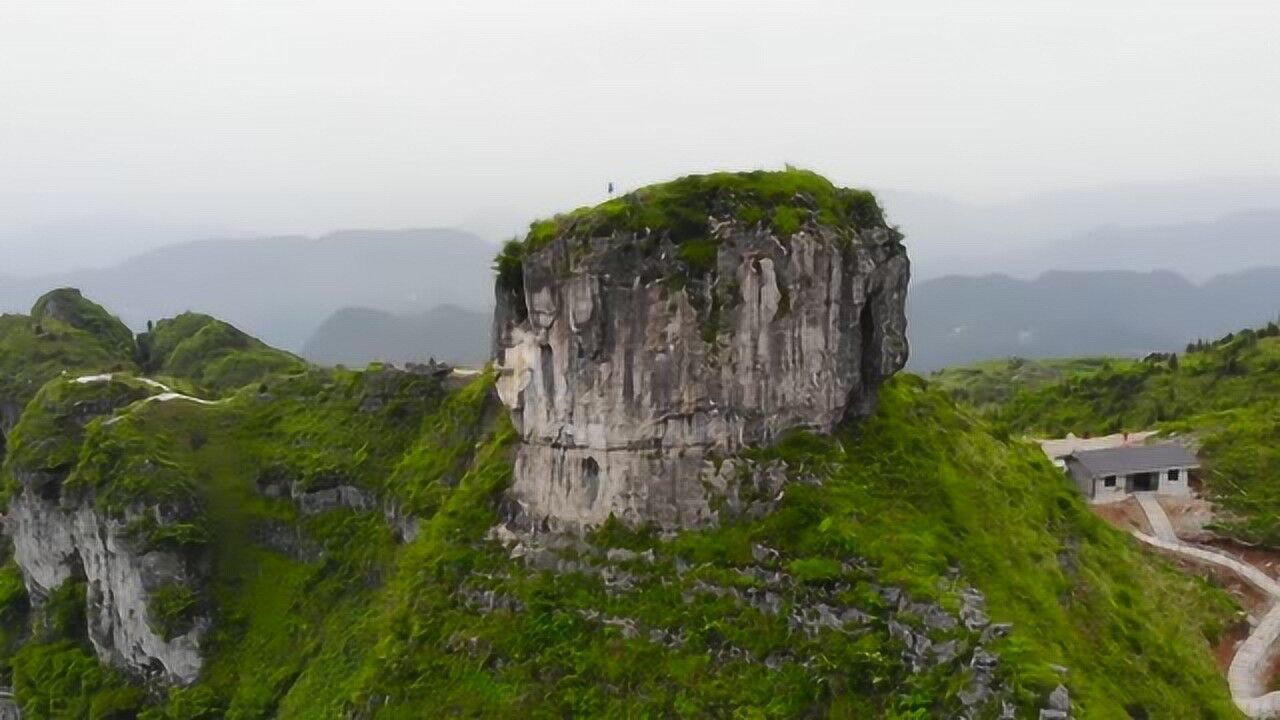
[1096, 491]
[1104, 494]
[1082, 479]
[1181, 486]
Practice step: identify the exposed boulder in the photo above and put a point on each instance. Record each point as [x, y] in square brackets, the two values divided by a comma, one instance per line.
[632, 353]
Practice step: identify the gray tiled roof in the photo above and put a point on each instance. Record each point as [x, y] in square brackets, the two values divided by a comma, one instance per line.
[1126, 460]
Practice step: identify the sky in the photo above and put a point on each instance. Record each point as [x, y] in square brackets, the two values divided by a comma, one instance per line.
[144, 120]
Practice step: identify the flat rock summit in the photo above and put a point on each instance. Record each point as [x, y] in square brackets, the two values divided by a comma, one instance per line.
[632, 359]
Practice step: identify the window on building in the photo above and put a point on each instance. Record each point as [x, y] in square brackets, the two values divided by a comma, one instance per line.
[1109, 481]
[1174, 475]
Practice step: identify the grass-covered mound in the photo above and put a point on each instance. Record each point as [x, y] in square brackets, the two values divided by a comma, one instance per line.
[1227, 393]
[211, 353]
[67, 335]
[783, 201]
[48, 438]
[67, 306]
[64, 333]
[352, 611]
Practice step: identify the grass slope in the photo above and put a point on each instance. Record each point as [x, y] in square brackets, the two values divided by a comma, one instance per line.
[1226, 393]
[79, 336]
[362, 625]
[991, 383]
[211, 353]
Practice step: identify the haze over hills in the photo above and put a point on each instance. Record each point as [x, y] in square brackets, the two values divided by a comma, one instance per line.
[282, 288]
[319, 296]
[358, 336]
[1214, 225]
[957, 320]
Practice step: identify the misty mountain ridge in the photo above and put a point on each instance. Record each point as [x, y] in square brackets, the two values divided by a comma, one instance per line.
[1198, 250]
[358, 336]
[959, 319]
[1089, 228]
[282, 288]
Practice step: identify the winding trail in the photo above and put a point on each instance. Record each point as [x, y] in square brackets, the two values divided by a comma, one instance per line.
[166, 393]
[1249, 673]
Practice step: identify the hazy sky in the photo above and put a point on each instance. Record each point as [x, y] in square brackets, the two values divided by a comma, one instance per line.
[275, 116]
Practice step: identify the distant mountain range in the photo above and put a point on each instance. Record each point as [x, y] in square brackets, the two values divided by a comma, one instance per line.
[958, 320]
[354, 296]
[281, 289]
[1197, 250]
[358, 336]
[1212, 226]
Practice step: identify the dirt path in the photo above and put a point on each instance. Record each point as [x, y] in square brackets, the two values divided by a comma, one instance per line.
[1250, 669]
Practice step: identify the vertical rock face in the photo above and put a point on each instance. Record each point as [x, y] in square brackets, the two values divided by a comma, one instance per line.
[628, 369]
[54, 544]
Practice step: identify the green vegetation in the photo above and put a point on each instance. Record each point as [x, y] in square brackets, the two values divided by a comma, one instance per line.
[681, 207]
[1225, 393]
[32, 352]
[47, 439]
[986, 385]
[69, 307]
[212, 354]
[328, 608]
[171, 609]
[679, 211]
[56, 674]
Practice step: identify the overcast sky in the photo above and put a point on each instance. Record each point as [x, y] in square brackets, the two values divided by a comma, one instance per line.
[268, 116]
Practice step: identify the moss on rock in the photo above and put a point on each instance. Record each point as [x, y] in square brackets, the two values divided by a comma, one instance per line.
[682, 210]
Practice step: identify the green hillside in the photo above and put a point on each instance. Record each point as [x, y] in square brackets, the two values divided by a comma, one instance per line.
[340, 612]
[210, 353]
[989, 384]
[1225, 393]
[65, 332]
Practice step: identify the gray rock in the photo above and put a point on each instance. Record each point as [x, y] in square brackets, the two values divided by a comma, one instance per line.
[621, 395]
[1060, 699]
[1053, 715]
[620, 555]
[52, 544]
[995, 631]
[341, 496]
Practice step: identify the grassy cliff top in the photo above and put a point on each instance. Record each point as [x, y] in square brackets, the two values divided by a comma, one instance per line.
[681, 207]
[783, 200]
[68, 306]
[33, 351]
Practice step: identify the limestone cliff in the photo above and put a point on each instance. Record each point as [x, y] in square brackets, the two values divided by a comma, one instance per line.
[64, 531]
[632, 357]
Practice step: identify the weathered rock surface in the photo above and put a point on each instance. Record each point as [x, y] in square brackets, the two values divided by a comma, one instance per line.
[54, 544]
[625, 381]
[61, 534]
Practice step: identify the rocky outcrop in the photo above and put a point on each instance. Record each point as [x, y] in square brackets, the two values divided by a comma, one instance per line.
[627, 371]
[62, 534]
[55, 544]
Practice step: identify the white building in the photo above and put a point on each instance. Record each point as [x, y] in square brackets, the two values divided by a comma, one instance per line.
[1111, 474]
